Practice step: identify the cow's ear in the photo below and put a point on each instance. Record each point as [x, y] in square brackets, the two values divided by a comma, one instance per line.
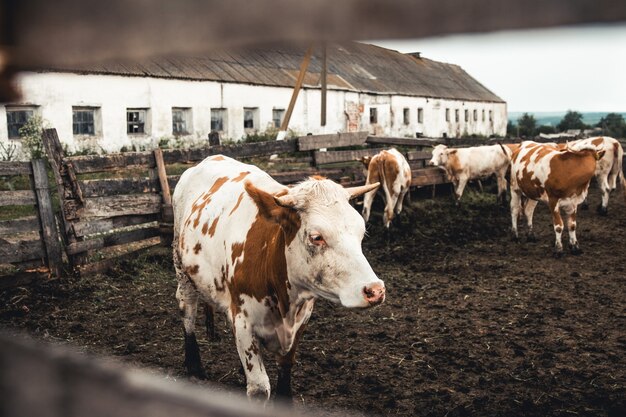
[357, 191]
[600, 154]
[366, 160]
[451, 151]
[277, 208]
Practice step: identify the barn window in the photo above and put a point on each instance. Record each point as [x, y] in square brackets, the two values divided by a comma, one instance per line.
[136, 121]
[218, 119]
[277, 116]
[483, 115]
[447, 115]
[466, 115]
[475, 115]
[373, 115]
[16, 118]
[406, 116]
[490, 116]
[250, 117]
[84, 120]
[420, 115]
[181, 120]
[456, 115]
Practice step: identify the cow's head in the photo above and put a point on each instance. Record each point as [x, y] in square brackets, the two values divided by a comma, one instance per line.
[365, 160]
[323, 240]
[440, 156]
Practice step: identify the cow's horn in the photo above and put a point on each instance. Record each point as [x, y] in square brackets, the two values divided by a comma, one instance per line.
[357, 191]
[285, 201]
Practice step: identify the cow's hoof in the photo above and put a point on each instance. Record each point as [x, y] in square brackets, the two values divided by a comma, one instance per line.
[575, 250]
[514, 237]
[530, 237]
[196, 372]
[602, 211]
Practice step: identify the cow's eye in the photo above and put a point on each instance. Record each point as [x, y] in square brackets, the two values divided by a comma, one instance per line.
[317, 239]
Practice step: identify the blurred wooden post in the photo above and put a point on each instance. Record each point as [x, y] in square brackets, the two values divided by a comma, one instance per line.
[296, 89]
[46, 217]
[167, 214]
[323, 81]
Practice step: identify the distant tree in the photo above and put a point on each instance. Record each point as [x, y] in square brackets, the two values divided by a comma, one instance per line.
[527, 125]
[546, 129]
[613, 124]
[511, 129]
[571, 120]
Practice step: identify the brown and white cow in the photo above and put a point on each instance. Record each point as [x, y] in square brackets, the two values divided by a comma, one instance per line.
[392, 171]
[464, 164]
[263, 253]
[608, 168]
[560, 177]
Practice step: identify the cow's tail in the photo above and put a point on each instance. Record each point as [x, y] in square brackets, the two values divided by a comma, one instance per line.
[617, 166]
[383, 179]
[505, 150]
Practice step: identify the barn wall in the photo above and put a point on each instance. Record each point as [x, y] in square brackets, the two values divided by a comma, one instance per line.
[56, 93]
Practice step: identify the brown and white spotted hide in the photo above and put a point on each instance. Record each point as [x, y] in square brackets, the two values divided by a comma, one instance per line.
[263, 253]
[464, 164]
[609, 167]
[560, 177]
[392, 171]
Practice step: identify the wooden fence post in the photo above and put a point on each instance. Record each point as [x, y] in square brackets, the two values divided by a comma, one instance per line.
[46, 217]
[167, 214]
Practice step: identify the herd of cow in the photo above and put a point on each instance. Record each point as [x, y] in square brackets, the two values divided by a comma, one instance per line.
[262, 253]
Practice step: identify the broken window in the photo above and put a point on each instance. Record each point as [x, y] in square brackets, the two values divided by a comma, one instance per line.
[84, 121]
[218, 119]
[181, 121]
[277, 117]
[250, 116]
[136, 121]
[16, 119]
[373, 115]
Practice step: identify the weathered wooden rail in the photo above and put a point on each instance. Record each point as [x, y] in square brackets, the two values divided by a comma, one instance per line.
[28, 242]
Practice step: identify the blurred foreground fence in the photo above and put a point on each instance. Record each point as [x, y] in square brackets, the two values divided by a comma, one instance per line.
[111, 206]
[52, 381]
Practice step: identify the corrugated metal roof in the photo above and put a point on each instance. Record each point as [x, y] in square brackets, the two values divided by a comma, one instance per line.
[351, 66]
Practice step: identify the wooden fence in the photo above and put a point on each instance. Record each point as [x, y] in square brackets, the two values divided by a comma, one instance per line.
[29, 241]
[111, 206]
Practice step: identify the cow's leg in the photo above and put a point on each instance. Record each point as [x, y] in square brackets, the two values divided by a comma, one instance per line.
[557, 222]
[459, 187]
[187, 297]
[516, 202]
[570, 210]
[501, 199]
[285, 363]
[257, 382]
[529, 210]
[403, 193]
[389, 212]
[603, 208]
[368, 198]
[209, 322]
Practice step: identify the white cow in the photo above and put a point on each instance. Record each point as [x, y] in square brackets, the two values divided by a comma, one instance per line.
[464, 164]
[392, 171]
[263, 253]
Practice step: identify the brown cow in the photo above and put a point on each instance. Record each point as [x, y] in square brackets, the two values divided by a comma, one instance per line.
[558, 177]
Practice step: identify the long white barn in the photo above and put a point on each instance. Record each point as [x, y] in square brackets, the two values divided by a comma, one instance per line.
[111, 106]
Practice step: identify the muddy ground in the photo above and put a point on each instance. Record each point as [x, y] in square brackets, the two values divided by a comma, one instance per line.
[474, 323]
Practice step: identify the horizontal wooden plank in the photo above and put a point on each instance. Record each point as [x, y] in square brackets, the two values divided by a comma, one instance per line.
[239, 150]
[385, 140]
[112, 240]
[96, 163]
[116, 186]
[17, 198]
[418, 155]
[106, 264]
[15, 168]
[23, 225]
[330, 157]
[334, 140]
[428, 176]
[119, 205]
[21, 250]
[84, 228]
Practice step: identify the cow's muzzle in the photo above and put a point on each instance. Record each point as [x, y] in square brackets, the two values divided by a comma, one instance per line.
[431, 164]
[374, 294]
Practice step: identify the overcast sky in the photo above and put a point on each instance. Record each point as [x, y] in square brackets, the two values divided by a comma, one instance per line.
[574, 68]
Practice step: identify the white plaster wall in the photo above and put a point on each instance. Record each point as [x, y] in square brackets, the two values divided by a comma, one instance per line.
[57, 93]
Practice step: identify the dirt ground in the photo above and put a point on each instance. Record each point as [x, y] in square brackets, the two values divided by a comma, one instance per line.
[474, 323]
